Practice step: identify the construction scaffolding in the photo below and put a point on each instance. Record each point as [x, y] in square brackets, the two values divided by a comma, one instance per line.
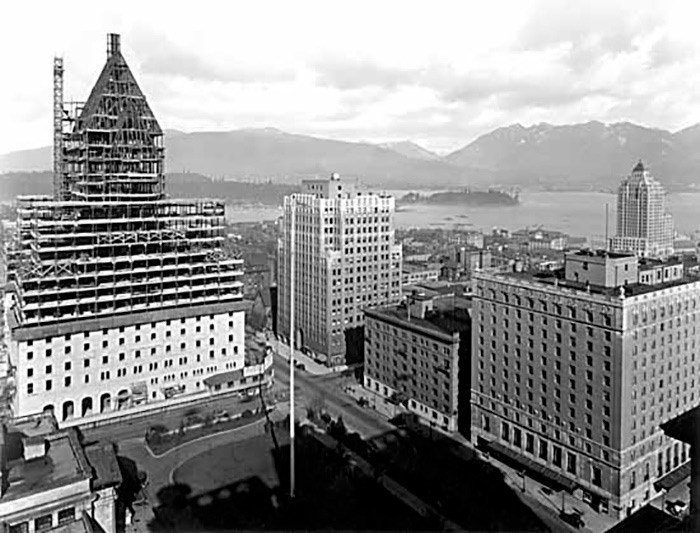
[111, 241]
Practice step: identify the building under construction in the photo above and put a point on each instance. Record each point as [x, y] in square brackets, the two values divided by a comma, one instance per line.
[121, 297]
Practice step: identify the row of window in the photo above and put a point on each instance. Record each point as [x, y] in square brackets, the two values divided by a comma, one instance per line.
[137, 353]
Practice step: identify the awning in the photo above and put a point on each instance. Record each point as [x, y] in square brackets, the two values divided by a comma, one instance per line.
[673, 478]
[535, 470]
[224, 377]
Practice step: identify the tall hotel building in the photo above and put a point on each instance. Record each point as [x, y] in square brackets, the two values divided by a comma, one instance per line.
[572, 374]
[345, 260]
[644, 225]
[120, 297]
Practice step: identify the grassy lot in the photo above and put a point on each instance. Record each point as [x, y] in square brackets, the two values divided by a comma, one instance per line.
[244, 486]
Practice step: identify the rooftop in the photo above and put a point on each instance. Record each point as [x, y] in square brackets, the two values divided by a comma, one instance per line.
[419, 267]
[439, 321]
[63, 464]
[599, 253]
[647, 519]
[103, 460]
[685, 427]
[631, 289]
[442, 287]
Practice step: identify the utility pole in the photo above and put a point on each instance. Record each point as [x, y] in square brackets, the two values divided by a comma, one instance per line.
[292, 334]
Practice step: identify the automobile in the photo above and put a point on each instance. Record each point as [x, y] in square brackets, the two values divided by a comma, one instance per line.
[220, 415]
[546, 491]
[676, 507]
[300, 366]
[573, 519]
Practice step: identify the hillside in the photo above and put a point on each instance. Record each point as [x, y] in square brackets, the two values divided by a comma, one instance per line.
[583, 154]
[283, 157]
[411, 150]
[577, 156]
[178, 185]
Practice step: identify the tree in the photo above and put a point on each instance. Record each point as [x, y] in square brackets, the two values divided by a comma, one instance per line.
[338, 430]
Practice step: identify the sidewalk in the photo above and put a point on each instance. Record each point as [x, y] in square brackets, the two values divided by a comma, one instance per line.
[594, 522]
[375, 401]
[310, 366]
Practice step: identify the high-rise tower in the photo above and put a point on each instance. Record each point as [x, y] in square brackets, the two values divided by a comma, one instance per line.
[573, 373]
[346, 260]
[122, 297]
[644, 226]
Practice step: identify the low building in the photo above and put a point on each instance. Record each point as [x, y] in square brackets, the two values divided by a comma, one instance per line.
[417, 272]
[416, 353]
[534, 240]
[469, 238]
[468, 259]
[49, 482]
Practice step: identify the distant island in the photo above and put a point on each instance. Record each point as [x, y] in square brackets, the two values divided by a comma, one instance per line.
[468, 197]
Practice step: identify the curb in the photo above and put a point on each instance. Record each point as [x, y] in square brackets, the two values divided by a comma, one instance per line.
[203, 437]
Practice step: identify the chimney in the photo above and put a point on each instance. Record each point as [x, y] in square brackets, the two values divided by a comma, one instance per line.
[34, 447]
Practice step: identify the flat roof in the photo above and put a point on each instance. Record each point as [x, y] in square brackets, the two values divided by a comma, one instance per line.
[419, 267]
[103, 460]
[439, 321]
[601, 254]
[647, 519]
[631, 289]
[63, 464]
[685, 427]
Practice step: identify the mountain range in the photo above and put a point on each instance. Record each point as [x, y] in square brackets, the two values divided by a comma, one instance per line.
[577, 156]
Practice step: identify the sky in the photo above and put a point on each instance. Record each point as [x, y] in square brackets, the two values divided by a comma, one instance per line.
[437, 72]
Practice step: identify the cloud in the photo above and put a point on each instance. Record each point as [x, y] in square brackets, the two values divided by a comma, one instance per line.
[161, 57]
[667, 52]
[357, 73]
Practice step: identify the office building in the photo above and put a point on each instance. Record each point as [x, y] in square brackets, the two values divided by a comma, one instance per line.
[121, 298]
[417, 353]
[573, 372]
[52, 483]
[644, 225]
[345, 260]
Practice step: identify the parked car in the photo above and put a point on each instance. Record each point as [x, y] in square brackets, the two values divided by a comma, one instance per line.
[573, 519]
[220, 415]
[300, 366]
[676, 507]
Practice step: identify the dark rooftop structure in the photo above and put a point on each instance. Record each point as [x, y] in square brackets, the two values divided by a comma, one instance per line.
[103, 460]
[648, 519]
[61, 462]
[446, 322]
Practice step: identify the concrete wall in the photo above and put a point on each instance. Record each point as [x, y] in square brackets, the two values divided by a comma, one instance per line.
[84, 368]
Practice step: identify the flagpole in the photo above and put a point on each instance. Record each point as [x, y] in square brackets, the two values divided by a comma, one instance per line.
[292, 260]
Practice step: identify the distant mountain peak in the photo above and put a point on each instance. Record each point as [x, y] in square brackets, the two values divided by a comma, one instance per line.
[267, 130]
[410, 149]
[570, 155]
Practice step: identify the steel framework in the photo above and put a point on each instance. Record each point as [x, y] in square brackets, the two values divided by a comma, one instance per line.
[111, 241]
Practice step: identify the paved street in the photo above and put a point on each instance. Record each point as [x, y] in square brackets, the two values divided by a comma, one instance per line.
[309, 388]
[119, 432]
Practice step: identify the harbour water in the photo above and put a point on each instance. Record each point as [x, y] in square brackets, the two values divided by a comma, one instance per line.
[576, 213]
